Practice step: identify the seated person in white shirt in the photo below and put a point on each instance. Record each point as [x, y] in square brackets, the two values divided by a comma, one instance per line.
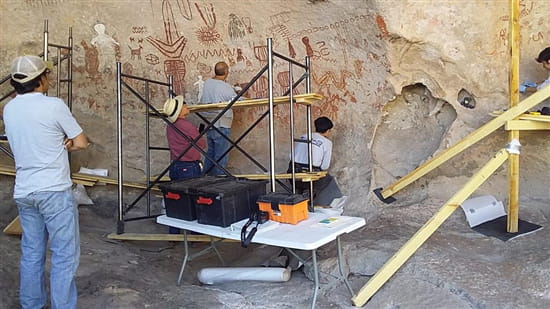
[529, 87]
[321, 155]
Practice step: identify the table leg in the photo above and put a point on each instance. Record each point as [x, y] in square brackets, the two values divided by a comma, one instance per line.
[213, 246]
[315, 278]
[343, 277]
[185, 257]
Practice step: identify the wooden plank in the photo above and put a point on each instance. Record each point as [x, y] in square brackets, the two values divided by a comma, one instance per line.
[166, 237]
[530, 116]
[513, 135]
[410, 247]
[110, 181]
[305, 177]
[7, 170]
[472, 138]
[542, 118]
[85, 179]
[304, 99]
[525, 125]
[83, 182]
[14, 228]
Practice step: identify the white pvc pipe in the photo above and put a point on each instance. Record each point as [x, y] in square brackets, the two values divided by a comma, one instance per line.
[225, 274]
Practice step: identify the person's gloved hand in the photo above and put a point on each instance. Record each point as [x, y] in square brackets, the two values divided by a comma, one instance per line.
[523, 86]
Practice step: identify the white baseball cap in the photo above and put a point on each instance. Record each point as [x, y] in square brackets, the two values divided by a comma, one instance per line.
[27, 68]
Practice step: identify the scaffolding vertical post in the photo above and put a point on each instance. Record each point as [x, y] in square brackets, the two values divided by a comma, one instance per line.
[147, 148]
[292, 155]
[120, 218]
[70, 70]
[309, 133]
[271, 126]
[58, 72]
[45, 47]
[45, 40]
[170, 86]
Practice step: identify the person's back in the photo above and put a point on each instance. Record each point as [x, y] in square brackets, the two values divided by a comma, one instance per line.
[326, 188]
[36, 139]
[215, 91]
[320, 144]
[321, 151]
[40, 131]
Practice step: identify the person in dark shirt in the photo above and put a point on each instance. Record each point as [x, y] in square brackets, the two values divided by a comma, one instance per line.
[188, 165]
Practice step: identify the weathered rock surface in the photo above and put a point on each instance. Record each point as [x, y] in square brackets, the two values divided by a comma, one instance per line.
[402, 80]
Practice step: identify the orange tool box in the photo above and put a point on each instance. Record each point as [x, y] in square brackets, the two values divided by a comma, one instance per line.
[284, 207]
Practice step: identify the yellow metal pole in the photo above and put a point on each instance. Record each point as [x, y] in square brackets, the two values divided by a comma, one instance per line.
[513, 163]
[410, 247]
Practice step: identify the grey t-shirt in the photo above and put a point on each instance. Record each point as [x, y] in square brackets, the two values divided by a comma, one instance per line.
[36, 126]
[216, 91]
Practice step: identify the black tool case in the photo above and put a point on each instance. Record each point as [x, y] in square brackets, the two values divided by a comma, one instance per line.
[223, 203]
[180, 195]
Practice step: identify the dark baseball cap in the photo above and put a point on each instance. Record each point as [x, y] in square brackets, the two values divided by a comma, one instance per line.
[544, 55]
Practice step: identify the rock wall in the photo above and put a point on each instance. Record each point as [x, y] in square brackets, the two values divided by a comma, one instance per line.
[402, 80]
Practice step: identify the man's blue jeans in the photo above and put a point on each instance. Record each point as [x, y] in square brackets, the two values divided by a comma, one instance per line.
[49, 216]
[182, 170]
[185, 169]
[217, 145]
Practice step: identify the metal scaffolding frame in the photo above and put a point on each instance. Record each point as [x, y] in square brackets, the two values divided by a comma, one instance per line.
[123, 209]
[57, 63]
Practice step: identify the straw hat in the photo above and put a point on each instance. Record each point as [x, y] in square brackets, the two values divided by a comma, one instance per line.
[172, 108]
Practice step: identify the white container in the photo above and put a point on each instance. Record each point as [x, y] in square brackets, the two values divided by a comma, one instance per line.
[215, 275]
[481, 209]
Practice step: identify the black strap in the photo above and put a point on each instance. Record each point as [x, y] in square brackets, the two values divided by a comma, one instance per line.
[259, 217]
[247, 239]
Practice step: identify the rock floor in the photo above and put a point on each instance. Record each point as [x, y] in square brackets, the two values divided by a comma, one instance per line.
[455, 268]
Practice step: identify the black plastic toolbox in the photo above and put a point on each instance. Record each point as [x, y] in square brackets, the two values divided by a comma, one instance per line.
[223, 203]
[180, 195]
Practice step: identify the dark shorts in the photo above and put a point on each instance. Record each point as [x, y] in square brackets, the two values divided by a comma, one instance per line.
[185, 169]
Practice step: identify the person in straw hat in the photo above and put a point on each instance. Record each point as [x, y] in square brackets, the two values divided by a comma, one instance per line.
[188, 165]
[41, 130]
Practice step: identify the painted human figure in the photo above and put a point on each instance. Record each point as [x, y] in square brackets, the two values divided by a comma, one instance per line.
[200, 85]
[106, 46]
[91, 58]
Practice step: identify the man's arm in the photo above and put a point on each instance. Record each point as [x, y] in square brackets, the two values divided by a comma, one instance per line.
[77, 143]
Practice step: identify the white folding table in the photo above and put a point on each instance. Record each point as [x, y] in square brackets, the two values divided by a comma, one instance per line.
[318, 230]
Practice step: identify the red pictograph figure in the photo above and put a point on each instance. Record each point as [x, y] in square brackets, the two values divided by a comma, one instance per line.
[309, 49]
[260, 52]
[172, 47]
[291, 50]
[283, 78]
[382, 26]
[207, 35]
[260, 87]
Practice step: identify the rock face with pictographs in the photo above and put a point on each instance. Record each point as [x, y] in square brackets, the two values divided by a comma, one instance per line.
[401, 84]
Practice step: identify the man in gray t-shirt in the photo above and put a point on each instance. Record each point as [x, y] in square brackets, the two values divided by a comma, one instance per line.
[41, 130]
[216, 90]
